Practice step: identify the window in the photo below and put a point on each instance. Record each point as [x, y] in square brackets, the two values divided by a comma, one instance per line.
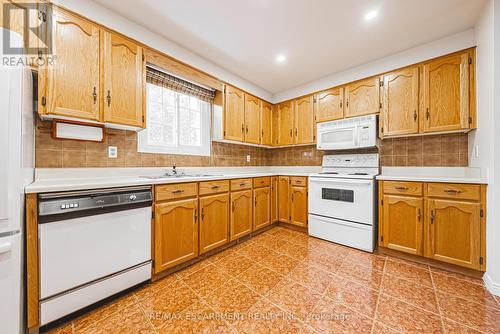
[177, 122]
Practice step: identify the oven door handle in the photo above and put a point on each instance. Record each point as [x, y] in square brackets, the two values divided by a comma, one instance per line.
[340, 181]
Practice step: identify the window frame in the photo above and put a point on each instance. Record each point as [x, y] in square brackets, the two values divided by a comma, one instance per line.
[205, 134]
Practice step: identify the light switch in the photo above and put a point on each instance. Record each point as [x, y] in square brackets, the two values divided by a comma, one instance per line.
[112, 152]
[248, 157]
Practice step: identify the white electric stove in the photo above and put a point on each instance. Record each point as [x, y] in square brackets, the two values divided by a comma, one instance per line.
[343, 200]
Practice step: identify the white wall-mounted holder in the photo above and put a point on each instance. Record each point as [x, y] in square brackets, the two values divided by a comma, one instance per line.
[63, 129]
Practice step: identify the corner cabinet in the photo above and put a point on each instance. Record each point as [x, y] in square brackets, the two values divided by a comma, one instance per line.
[441, 221]
[292, 200]
[266, 114]
[124, 83]
[176, 233]
[96, 76]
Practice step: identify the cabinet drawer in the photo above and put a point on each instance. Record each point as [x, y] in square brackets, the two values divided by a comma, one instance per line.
[298, 181]
[403, 188]
[241, 184]
[214, 187]
[264, 181]
[454, 190]
[174, 191]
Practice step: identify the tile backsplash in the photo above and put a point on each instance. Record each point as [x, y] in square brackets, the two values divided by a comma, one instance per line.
[434, 150]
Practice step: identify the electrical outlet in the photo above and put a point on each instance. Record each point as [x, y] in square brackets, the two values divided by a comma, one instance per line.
[308, 154]
[112, 152]
[248, 157]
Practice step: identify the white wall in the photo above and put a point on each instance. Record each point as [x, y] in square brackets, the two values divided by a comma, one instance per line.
[414, 55]
[484, 143]
[104, 16]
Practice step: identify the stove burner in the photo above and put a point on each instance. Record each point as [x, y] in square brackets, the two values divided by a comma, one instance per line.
[358, 174]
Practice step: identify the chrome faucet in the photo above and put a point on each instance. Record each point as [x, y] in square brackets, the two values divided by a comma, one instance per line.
[174, 170]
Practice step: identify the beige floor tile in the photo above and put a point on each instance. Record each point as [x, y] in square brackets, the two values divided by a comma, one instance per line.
[410, 292]
[206, 280]
[409, 271]
[295, 298]
[260, 279]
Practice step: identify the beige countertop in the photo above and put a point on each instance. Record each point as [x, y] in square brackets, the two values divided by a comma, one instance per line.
[70, 179]
[435, 174]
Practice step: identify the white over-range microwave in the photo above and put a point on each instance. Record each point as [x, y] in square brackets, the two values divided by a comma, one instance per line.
[349, 133]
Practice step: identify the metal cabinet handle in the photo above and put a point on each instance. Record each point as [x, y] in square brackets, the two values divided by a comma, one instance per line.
[452, 191]
[202, 214]
[427, 114]
[296, 132]
[232, 206]
[415, 115]
[94, 95]
[242, 128]
[215, 187]
[401, 188]
[178, 191]
[419, 215]
[341, 104]
[195, 215]
[242, 184]
[433, 216]
[291, 132]
[247, 128]
[108, 98]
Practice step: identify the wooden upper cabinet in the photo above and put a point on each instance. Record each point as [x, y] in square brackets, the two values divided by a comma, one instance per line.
[176, 233]
[298, 206]
[262, 207]
[123, 69]
[283, 199]
[241, 214]
[266, 111]
[330, 105]
[275, 126]
[454, 232]
[73, 79]
[304, 120]
[400, 106]
[286, 123]
[234, 114]
[446, 93]
[214, 222]
[252, 119]
[403, 224]
[362, 97]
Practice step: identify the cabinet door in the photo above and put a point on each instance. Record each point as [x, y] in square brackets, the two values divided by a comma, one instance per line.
[241, 214]
[304, 120]
[214, 222]
[400, 105]
[123, 81]
[234, 114]
[265, 123]
[330, 105]
[283, 199]
[176, 233]
[446, 93]
[274, 198]
[362, 97]
[454, 232]
[285, 123]
[298, 206]
[262, 207]
[402, 226]
[275, 126]
[73, 79]
[252, 119]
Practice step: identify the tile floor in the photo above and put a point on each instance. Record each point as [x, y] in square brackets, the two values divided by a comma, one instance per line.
[283, 281]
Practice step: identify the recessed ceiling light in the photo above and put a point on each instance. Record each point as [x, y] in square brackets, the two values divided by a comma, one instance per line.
[281, 58]
[371, 15]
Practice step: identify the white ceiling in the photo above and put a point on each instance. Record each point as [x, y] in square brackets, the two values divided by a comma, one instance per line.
[319, 37]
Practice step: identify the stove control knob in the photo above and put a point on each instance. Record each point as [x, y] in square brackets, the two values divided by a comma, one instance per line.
[133, 197]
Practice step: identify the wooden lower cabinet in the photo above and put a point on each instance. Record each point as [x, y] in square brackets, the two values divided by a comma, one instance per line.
[214, 222]
[403, 224]
[176, 233]
[283, 199]
[454, 232]
[262, 207]
[441, 221]
[241, 214]
[274, 198]
[298, 206]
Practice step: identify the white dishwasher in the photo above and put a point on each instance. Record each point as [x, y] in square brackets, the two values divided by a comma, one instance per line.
[92, 244]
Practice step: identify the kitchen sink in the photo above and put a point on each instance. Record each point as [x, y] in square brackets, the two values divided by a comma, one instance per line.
[177, 176]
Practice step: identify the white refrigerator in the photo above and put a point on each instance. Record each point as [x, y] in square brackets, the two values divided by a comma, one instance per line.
[16, 171]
